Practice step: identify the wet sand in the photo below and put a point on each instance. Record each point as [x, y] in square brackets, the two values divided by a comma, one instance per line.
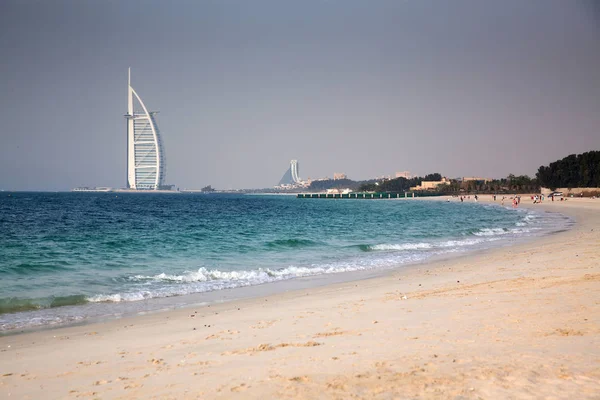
[518, 322]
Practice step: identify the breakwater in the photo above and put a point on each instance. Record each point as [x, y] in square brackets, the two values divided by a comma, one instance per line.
[364, 195]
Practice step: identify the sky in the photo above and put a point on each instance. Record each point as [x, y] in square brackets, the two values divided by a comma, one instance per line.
[367, 88]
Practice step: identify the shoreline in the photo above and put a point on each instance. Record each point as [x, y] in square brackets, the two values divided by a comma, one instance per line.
[132, 309]
[516, 321]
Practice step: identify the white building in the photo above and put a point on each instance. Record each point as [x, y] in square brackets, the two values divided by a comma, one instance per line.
[292, 175]
[146, 163]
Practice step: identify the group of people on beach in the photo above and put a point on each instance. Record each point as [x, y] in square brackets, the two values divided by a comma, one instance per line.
[462, 198]
[516, 200]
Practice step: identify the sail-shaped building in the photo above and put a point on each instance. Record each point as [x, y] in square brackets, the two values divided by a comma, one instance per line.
[146, 162]
[292, 175]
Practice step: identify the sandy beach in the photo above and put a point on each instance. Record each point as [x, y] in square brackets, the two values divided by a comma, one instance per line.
[519, 322]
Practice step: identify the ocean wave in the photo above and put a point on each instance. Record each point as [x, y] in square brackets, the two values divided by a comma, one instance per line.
[205, 275]
[205, 280]
[399, 247]
[291, 243]
[530, 217]
[27, 268]
[491, 232]
[461, 243]
[426, 246]
[15, 304]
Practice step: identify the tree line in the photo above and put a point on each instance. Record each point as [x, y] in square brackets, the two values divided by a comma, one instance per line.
[576, 170]
[373, 185]
[397, 185]
[510, 184]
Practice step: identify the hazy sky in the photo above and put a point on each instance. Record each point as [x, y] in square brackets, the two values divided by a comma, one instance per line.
[363, 87]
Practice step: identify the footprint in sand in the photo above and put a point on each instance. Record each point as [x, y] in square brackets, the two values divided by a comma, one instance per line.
[223, 335]
[335, 332]
[133, 386]
[302, 379]
[239, 388]
[263, 324]
[86, 394]
[269, 347]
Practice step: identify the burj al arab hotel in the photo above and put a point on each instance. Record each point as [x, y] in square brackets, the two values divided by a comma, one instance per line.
[146, 163]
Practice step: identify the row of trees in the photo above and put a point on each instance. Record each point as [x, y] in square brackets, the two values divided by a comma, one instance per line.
[319, 186]
[398, 184]
[581, 170]
[510, 184]
[576, 170]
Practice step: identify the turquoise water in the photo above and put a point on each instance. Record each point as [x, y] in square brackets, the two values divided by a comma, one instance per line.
[68, 257]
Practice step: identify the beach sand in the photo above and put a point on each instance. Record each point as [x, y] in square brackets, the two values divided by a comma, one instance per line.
[519, 322]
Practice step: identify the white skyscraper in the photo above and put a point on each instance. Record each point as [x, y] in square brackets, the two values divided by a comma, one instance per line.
[146, 163]
[292, 175]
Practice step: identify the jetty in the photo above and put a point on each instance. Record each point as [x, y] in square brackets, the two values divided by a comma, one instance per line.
[364, 195]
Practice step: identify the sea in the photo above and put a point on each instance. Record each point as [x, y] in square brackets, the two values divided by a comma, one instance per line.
[72, 258]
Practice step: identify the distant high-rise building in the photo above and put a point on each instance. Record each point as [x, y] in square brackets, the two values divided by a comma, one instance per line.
[292, 175]
[403, 174]
[146, 162]
[339, 175]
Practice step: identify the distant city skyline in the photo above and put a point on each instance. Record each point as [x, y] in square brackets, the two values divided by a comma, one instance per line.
[463, 88]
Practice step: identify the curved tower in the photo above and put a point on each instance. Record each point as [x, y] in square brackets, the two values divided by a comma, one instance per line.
[292, 175]
[146, 166]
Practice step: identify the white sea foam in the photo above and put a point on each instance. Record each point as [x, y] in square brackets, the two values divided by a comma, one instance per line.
[404, 246]
[530, 217]
[431, 246]
[205, 280]
[461, 243]
[115, 298]
[491, 232]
